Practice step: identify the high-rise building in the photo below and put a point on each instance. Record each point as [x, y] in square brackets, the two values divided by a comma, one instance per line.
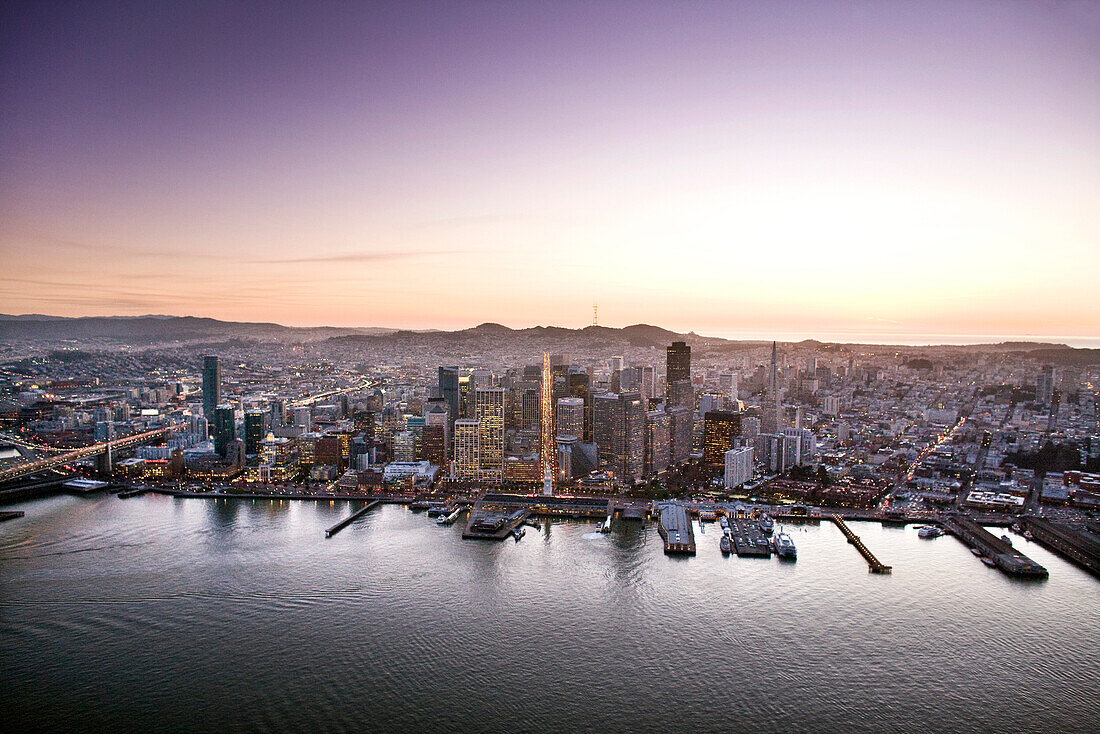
[570, 417]
[211, 387]
[658, 442]
[681, 394]
[225, 428]
[677, 363]
[489, 410]
[448, 390]
[548, 450]
[807, 444]
[738, 467]
[619, 430]
[720, 428]
[769, 422]
[255, 428]
[467, 443]
[435, 438]
[681, 425]
[647, 380]
[1044, 385]
[831, 405]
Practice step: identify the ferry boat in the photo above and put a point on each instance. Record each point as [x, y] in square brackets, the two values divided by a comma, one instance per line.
[976, 552]
[518, 533]
[929, 531]
[767, 525]
[1006, 539]
[448, 519]
[725, 545]
[988, 561]
[722, 521]
[784, 546]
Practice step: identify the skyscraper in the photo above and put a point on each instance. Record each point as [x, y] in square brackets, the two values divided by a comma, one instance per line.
[678, 363]
[225, 428]
[255, 428]
[211, 387]
[720, 428]
[489, 407]
[619, 431]
[467, 443]
[547, 447]
[570, 417]
[448, 390]
[769, 422]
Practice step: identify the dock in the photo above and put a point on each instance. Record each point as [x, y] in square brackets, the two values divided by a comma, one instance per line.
[748, 539]
[487, 524]
[1077, 546]
[351, 518]
[1004, 555]
[132, 493]
[11, 515]
[675, 529]
[874, 565]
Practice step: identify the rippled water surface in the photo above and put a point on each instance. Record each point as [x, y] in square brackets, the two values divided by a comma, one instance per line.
[162, 614]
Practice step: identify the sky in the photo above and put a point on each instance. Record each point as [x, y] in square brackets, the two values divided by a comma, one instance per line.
[726, 168]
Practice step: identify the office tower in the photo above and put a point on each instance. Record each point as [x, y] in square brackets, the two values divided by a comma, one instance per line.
[681, 425]
[681, 394]
[647, 380]
[769, 423]
[255, 428]
[570, 417]
[211, 386]
[677, 363]
[768, 449]
[1044, 385]
[807, 444]
[448, 390]
[303, 418]
[658, 442]
[792, 449]
[706, 403]
[720, 428]
[404, 446]
[547, 448]
[467, 443]
[811, 366]
[615, 364]
[435, 439]
[619, 431]
[579, 386]
[528, 403]
[489, 410]
[738, 467]
[843, 432]
[831, 405]
[225, 428]
[278, 411]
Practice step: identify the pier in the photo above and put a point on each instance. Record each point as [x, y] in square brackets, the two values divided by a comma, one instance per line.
[1006, 557]
[351, 518]
[10, 515]
[1075, 545]
[675, 530]
[874, 565]
[132, 493]
[488, 524]
[748, 539]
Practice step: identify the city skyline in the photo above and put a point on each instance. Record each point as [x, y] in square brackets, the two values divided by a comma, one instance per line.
[811, 169]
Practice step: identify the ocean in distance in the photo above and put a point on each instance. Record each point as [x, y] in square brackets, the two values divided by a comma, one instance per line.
[188, 615]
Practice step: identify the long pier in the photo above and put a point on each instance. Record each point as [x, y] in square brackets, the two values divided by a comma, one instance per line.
[1067, 541]
[352, 518]
[1003, 555]
[874, 565]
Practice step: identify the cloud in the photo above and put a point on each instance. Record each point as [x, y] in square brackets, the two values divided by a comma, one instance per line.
[349, 257]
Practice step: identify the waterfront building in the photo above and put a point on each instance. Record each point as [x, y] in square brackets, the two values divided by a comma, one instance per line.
[255, 428]
[225, 428]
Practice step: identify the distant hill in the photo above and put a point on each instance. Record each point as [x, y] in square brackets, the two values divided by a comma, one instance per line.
[154, 329]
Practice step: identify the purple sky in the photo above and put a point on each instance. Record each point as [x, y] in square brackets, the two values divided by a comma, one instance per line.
[923, 167]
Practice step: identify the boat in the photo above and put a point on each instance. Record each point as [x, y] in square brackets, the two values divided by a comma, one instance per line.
[1027, 534]
[976, 552]
[519, 532]
[605, 526]
[767, 525]
[929, 531]
[725, 545]
[723, 521]
[988, 561]
[1006, 539]
[448, 519]
[784, 546]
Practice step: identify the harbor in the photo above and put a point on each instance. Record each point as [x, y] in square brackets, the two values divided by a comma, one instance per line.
[748, 539]
[674, 527]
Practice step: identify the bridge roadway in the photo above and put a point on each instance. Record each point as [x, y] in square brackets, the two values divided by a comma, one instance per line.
[51, 462]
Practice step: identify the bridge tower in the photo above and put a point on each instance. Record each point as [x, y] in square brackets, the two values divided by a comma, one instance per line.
[105, 464]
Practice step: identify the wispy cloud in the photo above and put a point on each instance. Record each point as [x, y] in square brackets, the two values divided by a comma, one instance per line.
[360, 257]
